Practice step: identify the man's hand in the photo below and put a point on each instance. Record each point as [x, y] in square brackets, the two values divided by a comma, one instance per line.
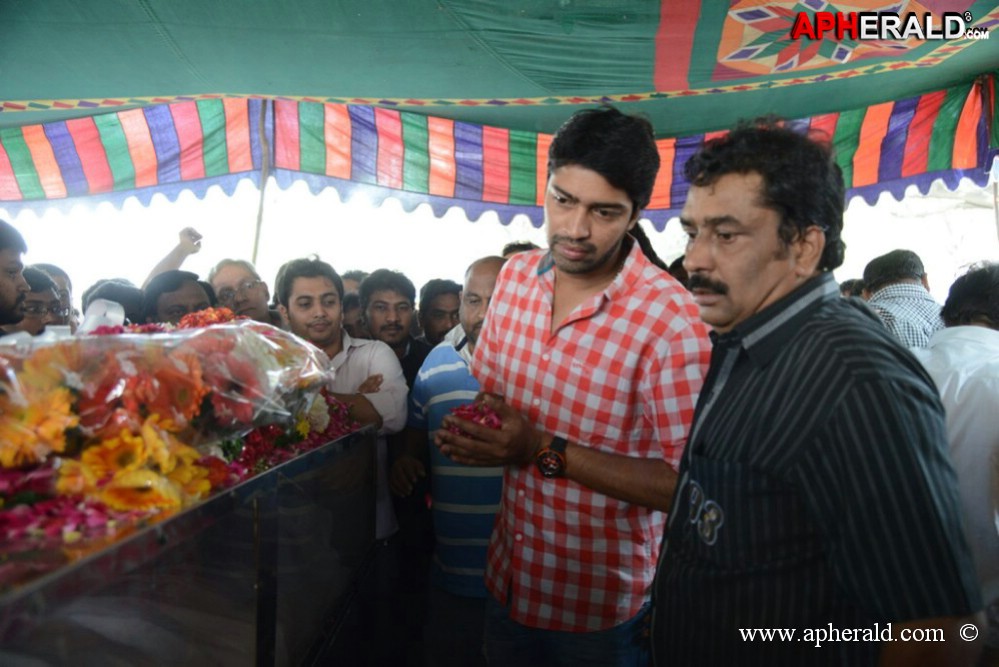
[515, 442]
[371, 384]
[406, 471]
[190, 241]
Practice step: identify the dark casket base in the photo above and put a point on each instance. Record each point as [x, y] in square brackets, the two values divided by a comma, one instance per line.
[265, 573]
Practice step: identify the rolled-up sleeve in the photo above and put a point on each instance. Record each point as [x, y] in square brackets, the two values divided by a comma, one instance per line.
[390, 399]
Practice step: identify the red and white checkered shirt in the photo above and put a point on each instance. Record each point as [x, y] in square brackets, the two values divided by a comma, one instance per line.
[620, 375]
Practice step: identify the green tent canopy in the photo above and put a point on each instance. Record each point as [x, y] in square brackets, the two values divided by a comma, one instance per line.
[453, 102]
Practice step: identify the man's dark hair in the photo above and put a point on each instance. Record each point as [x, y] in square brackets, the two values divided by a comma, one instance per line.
[351, 300]
[619, 147]
[801, 180]
[306, 267]
[384, 279]
[38, 280]
[435, 288]
[518, 246]
[892, 267]
[974, 298]
[55, 272]
[169, 281]
[11, 238]
[128, 296]
[356, 274]
[852, 287]
[88, 294]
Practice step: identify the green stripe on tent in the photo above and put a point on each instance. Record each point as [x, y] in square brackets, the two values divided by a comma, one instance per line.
[416, 154]
[312, 137]
[212, 115]
[523, 167]
[116, 149]
[21, 162]
[941, 152]
[846, 140]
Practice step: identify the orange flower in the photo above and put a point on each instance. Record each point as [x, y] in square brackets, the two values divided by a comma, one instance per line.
[140, 490]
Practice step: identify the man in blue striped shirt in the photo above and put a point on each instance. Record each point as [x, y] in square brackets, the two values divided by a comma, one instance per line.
[465, 498]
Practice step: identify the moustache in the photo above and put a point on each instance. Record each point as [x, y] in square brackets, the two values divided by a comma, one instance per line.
[588, 247]
[698, 281]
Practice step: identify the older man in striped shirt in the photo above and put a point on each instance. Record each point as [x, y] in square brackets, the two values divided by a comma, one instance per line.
[816, 519]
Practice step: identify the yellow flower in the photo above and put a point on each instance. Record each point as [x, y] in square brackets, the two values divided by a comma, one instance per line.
[192, 478]
[159, 442]
[75, 478]
[140, 490]
[34, 424]
[114, 455]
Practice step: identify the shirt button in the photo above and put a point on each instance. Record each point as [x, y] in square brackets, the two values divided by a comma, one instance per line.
[518, 537]
[537, 401]
[545, 357]
[520, 493]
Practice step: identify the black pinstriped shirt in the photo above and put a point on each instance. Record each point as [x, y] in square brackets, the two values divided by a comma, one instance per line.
[815, 492]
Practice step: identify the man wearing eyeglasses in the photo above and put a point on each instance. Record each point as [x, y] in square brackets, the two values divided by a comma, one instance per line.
[41, 305]
[239, 288]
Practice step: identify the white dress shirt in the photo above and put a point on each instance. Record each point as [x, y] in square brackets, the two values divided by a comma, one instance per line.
[356, 362]
[964, 363]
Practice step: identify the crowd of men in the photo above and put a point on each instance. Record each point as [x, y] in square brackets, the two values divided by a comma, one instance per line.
[680, 463]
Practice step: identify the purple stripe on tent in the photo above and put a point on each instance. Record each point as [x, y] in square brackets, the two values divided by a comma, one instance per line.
[253, 115]
[893, 144]
[468, 158]
[685, 148]
[67, 158]
[800, 125]
[165, 142]
[363, 144]
[982, 133]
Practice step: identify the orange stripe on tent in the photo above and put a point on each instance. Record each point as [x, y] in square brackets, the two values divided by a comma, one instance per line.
[9, 191]
[495, 164]
[336, 132]
[664, 179]
[966, 135]
[867, 159]
[388, 169]
[440, 141]
[187, 122]
[93, 158]
[140, 146]
[544, 142]
[920, 131]
[286, 142]
[45, 161]
[237, 134]
[824, 127]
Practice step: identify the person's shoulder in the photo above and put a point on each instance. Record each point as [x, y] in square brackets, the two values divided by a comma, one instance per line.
[848, 334]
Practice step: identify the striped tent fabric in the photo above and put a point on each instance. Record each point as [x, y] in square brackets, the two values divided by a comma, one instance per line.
[885, 147]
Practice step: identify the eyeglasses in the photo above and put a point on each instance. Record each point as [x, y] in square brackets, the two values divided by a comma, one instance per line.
[39, 309]
[227, 295]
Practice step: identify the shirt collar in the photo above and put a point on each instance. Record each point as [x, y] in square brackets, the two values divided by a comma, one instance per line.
[766, 333]
[457, 339]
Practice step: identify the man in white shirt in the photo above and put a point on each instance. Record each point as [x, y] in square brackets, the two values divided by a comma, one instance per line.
[963, 360]
[368, 375]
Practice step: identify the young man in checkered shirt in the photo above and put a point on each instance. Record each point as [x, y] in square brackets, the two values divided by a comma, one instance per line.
[593, 356]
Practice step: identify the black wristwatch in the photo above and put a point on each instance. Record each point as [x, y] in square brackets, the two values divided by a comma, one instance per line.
[551, 459]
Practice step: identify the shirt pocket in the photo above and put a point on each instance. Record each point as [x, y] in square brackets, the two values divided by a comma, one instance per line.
[741, 519]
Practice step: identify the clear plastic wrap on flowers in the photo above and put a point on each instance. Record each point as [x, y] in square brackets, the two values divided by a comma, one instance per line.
[197, 385]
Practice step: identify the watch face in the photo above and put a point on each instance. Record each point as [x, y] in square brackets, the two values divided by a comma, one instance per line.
[550, 463]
